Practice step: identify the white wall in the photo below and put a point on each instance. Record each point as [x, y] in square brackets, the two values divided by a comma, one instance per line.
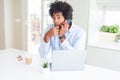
[105, 58]
[81, 12]
[2, 43]
[18, 23]
[10, 24]
[24, 23]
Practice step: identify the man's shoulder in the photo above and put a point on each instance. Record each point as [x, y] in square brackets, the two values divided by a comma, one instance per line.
[49, 27]
[77, 28]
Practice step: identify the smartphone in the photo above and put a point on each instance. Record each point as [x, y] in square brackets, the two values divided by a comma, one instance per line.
[68, 21]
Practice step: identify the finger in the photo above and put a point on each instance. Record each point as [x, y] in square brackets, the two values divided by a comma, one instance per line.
[56, 32]
[62, 26]
[66, 26]
[56, 26]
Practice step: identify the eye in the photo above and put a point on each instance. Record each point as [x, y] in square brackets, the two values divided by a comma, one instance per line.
[58, 17]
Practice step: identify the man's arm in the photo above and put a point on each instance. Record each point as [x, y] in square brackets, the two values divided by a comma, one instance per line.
[54, 31]
[45, 45]
[44, 49]
[79, 42]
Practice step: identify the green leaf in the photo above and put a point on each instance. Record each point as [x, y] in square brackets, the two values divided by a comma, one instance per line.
[45, 65]
[112, 28]
[104, 28]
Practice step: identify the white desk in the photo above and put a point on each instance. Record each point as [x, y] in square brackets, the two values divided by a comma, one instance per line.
[12, 69]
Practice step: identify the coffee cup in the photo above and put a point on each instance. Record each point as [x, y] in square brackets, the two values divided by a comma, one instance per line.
[28, 58]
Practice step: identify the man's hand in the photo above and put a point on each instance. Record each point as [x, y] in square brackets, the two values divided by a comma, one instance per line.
[54, 31]
[64, 28]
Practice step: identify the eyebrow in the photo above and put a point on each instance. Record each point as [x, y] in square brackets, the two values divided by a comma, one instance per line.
[56, 14]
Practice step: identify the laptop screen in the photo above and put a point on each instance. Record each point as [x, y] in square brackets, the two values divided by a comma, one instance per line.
[68, 59]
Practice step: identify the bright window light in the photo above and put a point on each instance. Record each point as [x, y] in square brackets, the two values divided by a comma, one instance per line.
[112, 15]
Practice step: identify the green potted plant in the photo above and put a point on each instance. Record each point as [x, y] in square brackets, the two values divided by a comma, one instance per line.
[108, 33]
[45, 65]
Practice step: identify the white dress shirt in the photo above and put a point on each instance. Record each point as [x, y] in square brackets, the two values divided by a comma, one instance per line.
[75, 39]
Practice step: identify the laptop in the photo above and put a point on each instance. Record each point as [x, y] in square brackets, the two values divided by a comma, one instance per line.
[64, 60]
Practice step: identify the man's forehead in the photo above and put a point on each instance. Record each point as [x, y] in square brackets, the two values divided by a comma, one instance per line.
[57, 14]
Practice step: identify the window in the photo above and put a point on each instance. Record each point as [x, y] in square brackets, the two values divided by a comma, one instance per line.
[38, 20]
[102, 13]
[112, 15]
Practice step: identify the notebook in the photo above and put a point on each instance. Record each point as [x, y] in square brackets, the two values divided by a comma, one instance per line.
[68, 60]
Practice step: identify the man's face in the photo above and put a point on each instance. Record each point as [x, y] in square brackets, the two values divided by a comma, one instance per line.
[58, 18]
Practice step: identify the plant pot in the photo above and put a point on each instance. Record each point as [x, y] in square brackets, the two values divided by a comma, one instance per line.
[118, 40]
[107, 37]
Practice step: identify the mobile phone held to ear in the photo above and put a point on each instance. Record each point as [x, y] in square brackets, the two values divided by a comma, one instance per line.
[68, 21]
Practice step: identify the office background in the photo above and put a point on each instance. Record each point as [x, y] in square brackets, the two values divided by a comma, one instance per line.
[87, 14]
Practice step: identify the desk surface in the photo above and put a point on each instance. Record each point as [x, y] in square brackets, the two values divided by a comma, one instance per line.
[12, 69]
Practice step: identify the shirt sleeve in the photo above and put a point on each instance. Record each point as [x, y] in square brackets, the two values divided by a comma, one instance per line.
[78, 43]
[66, 45]
[45, 47]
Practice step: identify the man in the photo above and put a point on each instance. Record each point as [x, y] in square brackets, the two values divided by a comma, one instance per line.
[63, 34]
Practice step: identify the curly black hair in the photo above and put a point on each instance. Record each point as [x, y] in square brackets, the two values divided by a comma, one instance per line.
[63, 7]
